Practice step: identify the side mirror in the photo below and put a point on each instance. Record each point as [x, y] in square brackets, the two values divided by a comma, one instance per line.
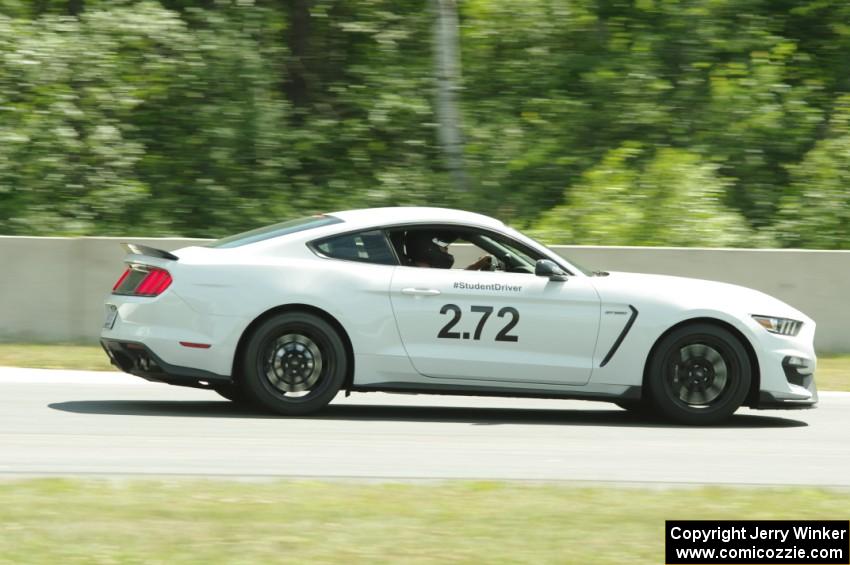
[547, 268]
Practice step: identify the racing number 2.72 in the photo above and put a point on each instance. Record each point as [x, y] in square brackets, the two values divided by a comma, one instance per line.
[485, 312]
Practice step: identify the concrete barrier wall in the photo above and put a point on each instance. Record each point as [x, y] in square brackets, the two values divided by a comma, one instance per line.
[815, 282]
[52, 289]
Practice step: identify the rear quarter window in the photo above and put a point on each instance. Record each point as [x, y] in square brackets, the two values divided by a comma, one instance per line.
[365, 247]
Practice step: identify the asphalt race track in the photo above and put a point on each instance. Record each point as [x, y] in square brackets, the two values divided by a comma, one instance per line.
[83, 423]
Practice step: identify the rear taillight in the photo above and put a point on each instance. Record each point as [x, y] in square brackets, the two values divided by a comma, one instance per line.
[141, 280]
[121, 280]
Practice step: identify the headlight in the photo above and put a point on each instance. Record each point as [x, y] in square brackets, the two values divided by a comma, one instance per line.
[781, 326]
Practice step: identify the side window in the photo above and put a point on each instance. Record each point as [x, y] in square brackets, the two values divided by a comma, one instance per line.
[517, 257]
[457, 247]
[366, 247]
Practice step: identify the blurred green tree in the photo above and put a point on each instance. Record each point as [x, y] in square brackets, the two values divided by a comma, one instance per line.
[126, 120]
[203, 117]
[637, 196]
[816, 211]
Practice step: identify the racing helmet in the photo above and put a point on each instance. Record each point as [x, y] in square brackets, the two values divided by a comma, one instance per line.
[428, 247]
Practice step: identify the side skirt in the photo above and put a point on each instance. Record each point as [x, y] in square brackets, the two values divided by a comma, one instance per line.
[631, 393]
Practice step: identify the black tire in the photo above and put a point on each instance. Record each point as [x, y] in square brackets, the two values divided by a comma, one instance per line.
[641, 406]
[699, 375]
[294, 364]
[233, 393]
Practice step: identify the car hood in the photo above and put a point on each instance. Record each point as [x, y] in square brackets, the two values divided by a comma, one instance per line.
[691, 293]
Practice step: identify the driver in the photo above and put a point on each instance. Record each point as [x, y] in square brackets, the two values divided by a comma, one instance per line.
[427, 249]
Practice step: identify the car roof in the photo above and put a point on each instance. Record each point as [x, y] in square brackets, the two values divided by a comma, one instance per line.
[376, 217]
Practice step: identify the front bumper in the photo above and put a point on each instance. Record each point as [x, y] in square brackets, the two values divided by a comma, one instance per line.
[137, 359]
[799, 374]
[803, 393]
[769, 401]
[782, 385]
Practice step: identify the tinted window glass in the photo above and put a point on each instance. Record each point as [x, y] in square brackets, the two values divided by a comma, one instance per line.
[275, 230]
[469, 246]
[367, 247]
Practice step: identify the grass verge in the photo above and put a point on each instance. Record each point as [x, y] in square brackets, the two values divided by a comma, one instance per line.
[187, 521]
[49, 356]
[833, 371]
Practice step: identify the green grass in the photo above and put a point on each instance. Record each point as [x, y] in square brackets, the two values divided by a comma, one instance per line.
[188, 521]
[42, 356]
[833, 371]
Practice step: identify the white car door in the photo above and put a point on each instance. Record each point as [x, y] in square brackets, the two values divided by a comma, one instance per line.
[496, 326]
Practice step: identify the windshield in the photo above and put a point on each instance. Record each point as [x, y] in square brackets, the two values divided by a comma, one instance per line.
[275, 230]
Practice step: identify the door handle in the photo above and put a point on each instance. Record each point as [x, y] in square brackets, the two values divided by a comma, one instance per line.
[421, 291]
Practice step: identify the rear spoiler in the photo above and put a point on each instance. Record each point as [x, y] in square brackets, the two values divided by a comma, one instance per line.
[139, 249]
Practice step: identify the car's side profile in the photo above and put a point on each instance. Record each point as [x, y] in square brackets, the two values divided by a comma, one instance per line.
[364, 300]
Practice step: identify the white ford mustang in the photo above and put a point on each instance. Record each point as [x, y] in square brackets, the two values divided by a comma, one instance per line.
[367, 300]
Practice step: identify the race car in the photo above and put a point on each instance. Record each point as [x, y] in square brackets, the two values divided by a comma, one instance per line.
[285, 316]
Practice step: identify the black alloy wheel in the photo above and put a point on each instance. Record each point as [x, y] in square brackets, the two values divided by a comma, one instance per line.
[294, 364]
[699, 374]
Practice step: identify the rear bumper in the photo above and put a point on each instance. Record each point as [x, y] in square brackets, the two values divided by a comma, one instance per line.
[161, 323]
[137, 359]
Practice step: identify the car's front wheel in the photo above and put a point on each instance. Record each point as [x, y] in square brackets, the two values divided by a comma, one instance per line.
[699, 374]
[294, 364]
[640, 407]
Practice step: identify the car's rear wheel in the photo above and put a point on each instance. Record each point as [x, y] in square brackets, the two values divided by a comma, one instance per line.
[233, 393]
[699, 374]
[294, 364]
